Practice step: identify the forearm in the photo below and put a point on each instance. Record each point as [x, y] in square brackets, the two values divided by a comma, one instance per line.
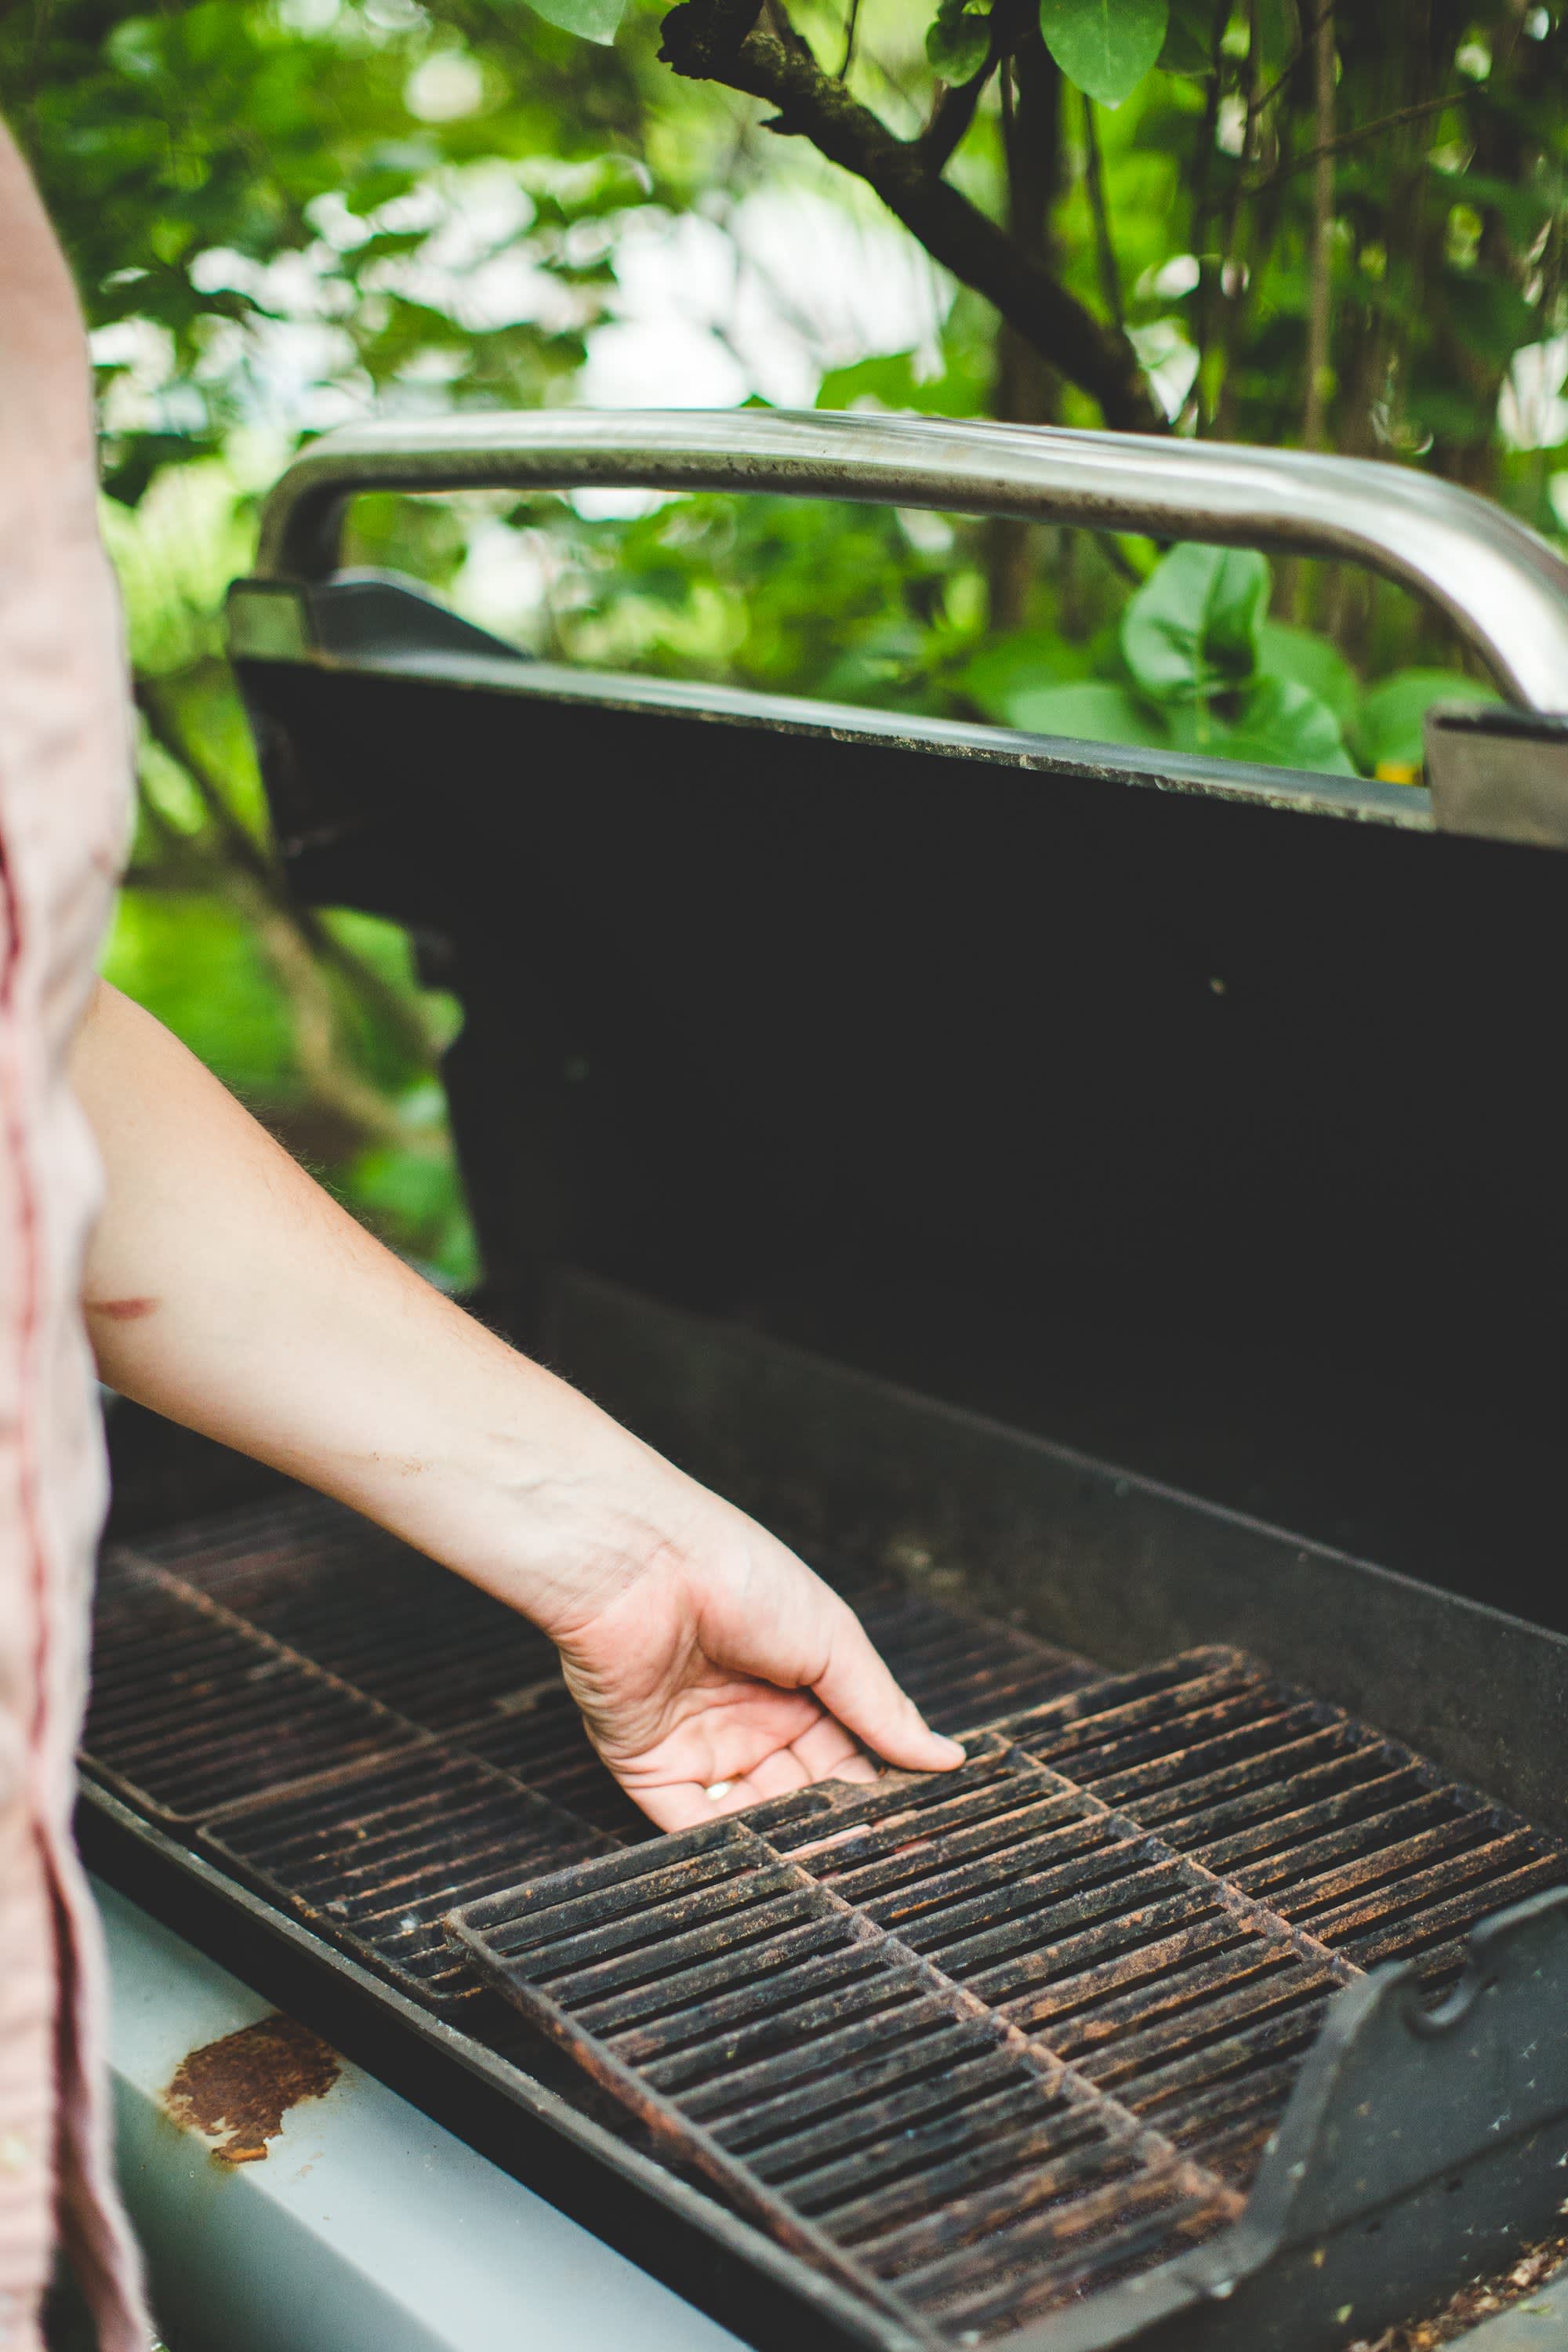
[227, 1290]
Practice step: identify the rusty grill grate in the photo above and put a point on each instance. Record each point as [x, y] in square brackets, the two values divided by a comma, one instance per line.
[373, 1742]
[377, 1853]
[363, 1606]
[982, 2044]
[977, 2045]
[192, 1709]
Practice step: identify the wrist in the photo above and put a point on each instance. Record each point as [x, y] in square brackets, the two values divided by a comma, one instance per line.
[551, 1505]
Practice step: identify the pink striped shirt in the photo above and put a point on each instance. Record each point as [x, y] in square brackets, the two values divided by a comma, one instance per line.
[64, 775]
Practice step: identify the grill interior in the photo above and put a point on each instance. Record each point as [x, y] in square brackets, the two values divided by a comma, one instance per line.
[976, 2045]
[372, 1742]
[984, 2043]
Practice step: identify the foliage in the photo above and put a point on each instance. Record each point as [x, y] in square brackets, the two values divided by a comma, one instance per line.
[1106, 47]
[1271, 220]
[1197, 666]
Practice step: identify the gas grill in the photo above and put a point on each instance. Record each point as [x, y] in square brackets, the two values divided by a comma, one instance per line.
[956, 1145]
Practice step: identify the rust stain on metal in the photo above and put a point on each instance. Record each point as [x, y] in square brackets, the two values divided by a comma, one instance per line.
[244, 2086]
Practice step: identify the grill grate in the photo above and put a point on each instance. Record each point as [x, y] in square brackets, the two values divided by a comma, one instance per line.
[258, 1659]
[328, 1585]
[379, 1852]
[984, 2044]
[191, 1709]
[977, 2045]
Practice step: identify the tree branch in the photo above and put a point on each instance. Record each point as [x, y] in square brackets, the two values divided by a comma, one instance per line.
[950, 119]
[1320, 263]
[1350, 139]
[1104, 244]
[722, 41]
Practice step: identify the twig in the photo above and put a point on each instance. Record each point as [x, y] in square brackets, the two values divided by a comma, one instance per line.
[721, 40]
[851, 25]
[950, 119]
[1350, 139]
[1094, 181]
[1204, 208]
[1320, 316]
[1235, 280]
[1308, 32]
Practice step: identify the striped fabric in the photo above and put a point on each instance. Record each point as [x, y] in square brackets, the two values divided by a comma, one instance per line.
[63, 798]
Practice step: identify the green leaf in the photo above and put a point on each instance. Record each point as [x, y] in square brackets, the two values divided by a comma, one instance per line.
[596, 20]
[1387, 728]
[1281, 725]
[1025, 662]
[1089, 713]
[1310, 660]
[958, 40]
[1193, 628]
[1106, 47]
[1189, 38]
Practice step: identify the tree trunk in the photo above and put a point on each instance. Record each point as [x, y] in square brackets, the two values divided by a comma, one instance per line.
[1025, 388]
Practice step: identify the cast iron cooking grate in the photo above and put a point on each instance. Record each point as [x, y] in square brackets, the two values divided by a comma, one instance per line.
[372, 1742]
[984, 2044]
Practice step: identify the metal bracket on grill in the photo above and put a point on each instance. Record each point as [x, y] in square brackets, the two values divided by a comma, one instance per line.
[1501, 774]
[1414, 2134]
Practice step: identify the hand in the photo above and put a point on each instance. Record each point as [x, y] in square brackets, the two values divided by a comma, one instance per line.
[704, 1655]
[722, 1671]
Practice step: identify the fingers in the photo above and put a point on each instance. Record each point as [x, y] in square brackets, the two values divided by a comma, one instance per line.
[683, 1805]
[855, 1685]
[825, 1752]
[859, 1688]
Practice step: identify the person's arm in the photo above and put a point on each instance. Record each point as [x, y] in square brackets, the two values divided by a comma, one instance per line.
[230, 1292]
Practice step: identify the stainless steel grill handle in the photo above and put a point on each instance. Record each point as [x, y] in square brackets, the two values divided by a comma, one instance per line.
[1503, 587]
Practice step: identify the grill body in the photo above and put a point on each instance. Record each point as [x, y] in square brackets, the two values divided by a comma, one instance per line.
[953, 1144]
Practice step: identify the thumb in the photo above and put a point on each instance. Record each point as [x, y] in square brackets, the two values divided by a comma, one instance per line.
[857, 1687]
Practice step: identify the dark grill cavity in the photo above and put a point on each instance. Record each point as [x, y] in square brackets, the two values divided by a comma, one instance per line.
[981, 2045]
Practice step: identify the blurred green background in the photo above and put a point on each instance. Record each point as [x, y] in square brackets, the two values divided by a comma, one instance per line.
[286, 213]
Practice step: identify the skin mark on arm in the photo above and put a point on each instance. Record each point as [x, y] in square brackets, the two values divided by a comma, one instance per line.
[122, 1311]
